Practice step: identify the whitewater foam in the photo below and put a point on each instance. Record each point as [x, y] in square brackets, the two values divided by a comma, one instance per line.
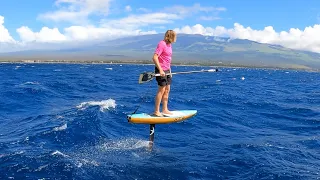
[126, 144]
[61, 128]
[104, 104]
[33, 83]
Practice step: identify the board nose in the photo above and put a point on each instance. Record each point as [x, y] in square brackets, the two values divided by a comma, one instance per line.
[128, 118]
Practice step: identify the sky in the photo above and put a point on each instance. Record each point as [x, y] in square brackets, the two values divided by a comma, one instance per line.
[290, 23]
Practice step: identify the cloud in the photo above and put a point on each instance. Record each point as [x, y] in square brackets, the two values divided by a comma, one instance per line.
[295, 38]
[89, 33]
[194, 9]
[59, 16]
[148, 22]
[76, 11]
[209, 18]
[199, 29]
[44, 35]
[145, 10]
[128, 8]
[185, 11]
[166, 16]
[5, 36]
[74, 34]
[138, 21]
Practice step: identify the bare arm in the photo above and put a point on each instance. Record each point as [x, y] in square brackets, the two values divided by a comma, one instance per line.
[156, 62]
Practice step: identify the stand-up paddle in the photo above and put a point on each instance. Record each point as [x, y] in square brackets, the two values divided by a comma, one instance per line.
[148, 76]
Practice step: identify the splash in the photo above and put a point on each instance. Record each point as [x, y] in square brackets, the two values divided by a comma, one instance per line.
[125, 144]
[105, 104]
[78, 161]
[58, 153]
[81, 162]
[61, 128]
[32, 83]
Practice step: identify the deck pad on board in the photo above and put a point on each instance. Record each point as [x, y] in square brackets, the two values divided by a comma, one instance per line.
[176, 116]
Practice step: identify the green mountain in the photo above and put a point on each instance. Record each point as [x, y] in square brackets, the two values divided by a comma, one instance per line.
[189, 49]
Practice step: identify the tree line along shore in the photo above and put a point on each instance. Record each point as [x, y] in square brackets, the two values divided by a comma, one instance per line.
[149, 62]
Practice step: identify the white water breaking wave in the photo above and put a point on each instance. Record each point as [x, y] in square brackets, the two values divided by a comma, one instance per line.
[104, 104]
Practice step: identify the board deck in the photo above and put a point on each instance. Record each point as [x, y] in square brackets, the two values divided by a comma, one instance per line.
[146, 118]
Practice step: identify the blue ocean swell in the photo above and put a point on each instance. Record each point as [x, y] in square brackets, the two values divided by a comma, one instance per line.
[58, 121]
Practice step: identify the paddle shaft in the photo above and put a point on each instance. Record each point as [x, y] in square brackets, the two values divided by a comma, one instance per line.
[148, 76]
[188, 72]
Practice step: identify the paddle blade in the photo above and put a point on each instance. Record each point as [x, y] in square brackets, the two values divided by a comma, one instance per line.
[212, 70]
[145, 77]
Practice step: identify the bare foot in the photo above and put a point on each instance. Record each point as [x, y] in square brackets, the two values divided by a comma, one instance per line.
[157, 114]
[167, 112]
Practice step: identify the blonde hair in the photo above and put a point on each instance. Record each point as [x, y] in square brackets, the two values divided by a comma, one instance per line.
[170, 36]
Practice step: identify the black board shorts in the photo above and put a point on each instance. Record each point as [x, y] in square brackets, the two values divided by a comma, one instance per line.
[163, 80]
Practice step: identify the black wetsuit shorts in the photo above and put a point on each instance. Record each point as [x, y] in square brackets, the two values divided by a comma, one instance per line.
[163, 80]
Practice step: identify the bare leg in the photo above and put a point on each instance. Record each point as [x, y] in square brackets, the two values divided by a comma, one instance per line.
[165, 99]
[161, 90]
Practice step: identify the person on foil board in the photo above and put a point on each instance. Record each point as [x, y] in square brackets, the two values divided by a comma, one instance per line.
[162, 59]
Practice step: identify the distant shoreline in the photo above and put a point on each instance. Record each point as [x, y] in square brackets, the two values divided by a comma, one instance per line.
[146, 63]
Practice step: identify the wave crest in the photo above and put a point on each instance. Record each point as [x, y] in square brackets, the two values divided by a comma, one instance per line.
[104, 104]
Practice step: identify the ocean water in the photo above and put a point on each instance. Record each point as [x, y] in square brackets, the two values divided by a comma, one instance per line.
[68, 121]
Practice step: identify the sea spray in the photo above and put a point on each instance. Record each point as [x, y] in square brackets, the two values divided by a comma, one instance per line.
[104, 104]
